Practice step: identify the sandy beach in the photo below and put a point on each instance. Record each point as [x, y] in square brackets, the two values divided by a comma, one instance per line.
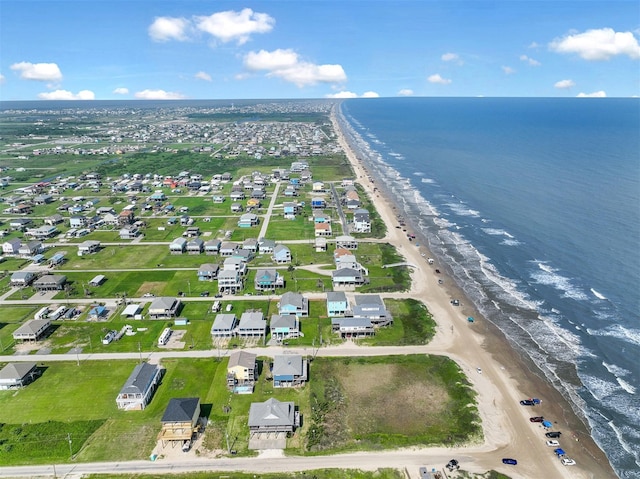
[499, 374]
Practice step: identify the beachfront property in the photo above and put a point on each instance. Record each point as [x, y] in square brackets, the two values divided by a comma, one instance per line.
[347, 278]
[139, 388]
[371, 306]
[361, 221]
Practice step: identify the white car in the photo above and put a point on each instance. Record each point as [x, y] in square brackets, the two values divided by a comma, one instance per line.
[553, 443]
[568, 462]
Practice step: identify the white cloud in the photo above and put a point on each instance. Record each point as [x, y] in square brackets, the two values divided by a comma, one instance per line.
[530, 61]
[564, 84]
[350, 94]
[121, 91]
[595, 94]
[158, 95]
[533, 45]
[67, 95]
[235, 26]
[2, 78]
[342, 94]
[449, 57]
[203, 76]
[38, 71]
[405, 92]
[287, 65]
[436, 78]
[164, 29]
[275, 60]
[599, 44]
[508, 70]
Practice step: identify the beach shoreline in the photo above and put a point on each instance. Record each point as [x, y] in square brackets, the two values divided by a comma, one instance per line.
[511, 374]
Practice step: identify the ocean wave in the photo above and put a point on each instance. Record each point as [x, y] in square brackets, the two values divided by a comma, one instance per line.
[428, 180]
[510, 242]
[598, 295]
[619, 373]
[461, 209]
[620, 435]
[628, 335]
[496, 232]
[548, 277]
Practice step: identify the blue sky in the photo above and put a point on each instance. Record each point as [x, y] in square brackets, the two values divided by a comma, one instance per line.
[160, 49]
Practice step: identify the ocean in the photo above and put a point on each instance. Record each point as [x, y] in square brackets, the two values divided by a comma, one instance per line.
[534, 205]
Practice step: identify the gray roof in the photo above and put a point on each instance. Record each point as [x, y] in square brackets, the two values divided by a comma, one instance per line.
[295, 299]
[355, 322]
[181, 410]
[280, 248]
[140, 379]
[368, 299]
[16, 370]
[163, 303]
[209, 267]
[346, 272]
[283, 321]
[271, 413]
[21, 275]
[287, 365]
[252, 320]
[335, 296]
[224, 322]
[242, 358]
[32, 326]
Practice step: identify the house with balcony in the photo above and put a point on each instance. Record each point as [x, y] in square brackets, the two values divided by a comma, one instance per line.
[242, 372]
[212, 246]
[337, 304]
[230, 282]
[281, 254]
[284, 326]
[252, 325]
[293, 303]
[164, 308]
[208, 272]
[178, 246]
[371, 306]
[268, 280]
[195, 246]
[140, 387]
[289, 370]
[224, 326]
[352, 327]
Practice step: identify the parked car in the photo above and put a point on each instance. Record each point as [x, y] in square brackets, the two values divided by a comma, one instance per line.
[204, 293]
[536, 419]
[509, 461]
[148, 295]
[553, 443]
[568, 462]
[453, 464]
[553, 434]
[186, 445]
[530, 402]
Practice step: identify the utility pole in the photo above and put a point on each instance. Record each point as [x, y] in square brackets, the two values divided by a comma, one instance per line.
[70, 447]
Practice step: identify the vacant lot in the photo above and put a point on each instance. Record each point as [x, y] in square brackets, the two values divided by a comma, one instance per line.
[369, 403]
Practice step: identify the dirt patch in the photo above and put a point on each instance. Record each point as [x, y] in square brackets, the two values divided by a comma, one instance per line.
[150, 287]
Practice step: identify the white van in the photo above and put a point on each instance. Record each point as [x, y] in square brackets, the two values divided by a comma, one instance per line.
[229, 307]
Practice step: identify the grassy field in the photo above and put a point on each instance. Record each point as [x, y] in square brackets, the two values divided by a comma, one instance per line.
[416, 399]
[412, 324]
[373, 403]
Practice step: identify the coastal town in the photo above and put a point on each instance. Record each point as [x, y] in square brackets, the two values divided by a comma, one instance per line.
[227, 288]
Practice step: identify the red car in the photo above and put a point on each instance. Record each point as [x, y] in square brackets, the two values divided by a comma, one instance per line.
[536, 419]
